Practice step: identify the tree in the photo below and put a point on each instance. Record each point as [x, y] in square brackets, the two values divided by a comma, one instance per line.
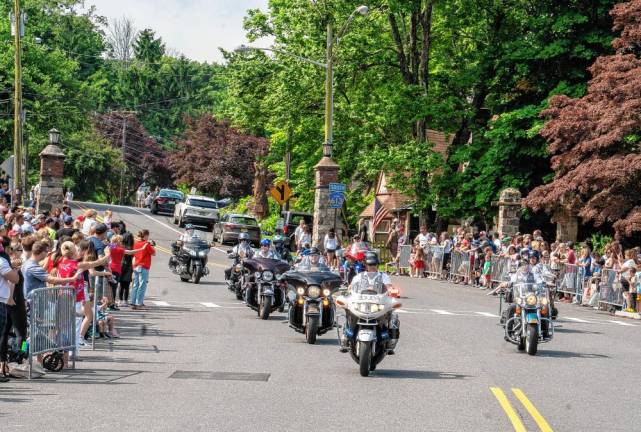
[216, 158]
[595, 140]
[147, 48]
[122, 35]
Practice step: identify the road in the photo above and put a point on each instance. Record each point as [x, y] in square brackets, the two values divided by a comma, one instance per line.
[199, 360]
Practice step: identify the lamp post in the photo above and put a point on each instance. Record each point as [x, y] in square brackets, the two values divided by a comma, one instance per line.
[54, 136]
[326, 169]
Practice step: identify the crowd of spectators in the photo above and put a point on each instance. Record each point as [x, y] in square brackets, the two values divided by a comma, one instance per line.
[57, 248]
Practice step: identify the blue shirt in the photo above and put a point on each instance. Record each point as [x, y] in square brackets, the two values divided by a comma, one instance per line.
[34, 276]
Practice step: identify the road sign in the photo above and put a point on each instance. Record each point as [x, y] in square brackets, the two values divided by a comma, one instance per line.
[336, 200]
[280, 224]
[337, 187]
[281, 192]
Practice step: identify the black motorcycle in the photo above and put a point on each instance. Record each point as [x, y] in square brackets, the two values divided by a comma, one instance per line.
[264, 289]
[189, 260]
[310, 287]
[234, 277]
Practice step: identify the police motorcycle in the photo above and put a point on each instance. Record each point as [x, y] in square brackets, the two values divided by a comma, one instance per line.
[235, 275]
[528, 320]
[372, 328]
[310, 289]
[189, 256]
[264, 290]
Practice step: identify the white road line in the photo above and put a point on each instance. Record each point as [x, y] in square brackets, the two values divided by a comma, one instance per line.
[487, 314]
[579, 320]
[160, 303]
[442, 312]
[210, 305]
[404, 311]
[621, 323]
[155, 220]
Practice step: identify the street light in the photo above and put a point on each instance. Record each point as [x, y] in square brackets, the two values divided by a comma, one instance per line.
[54, 136]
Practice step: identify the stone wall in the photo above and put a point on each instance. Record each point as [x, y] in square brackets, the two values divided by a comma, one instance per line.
[567, 225]
[326, 173]
[509, 212]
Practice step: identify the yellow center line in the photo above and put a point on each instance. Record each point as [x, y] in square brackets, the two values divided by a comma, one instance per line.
[507, 407]
[536, 415]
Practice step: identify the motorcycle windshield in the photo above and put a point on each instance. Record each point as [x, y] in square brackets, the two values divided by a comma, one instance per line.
[196, 245]
[309, 264]
[525, 289]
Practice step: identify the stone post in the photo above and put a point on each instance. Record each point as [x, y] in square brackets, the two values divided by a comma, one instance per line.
[567, 225]
[326, 173]
[52, 161]
[509, 208]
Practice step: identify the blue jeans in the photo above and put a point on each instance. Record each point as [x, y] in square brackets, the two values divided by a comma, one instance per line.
[141, 277]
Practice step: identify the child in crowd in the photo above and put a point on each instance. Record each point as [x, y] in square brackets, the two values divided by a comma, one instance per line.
[108, 218]
[417, 261]
[106, 321]
[486, 279]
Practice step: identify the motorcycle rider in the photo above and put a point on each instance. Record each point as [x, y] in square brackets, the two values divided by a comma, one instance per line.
[280, 250]
[371, 279]
[544, 274]
[265, 250]
[188, 236]
[243, 249]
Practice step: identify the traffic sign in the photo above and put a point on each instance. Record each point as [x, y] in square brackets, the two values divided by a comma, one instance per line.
[281, 192]
[336, 200]
[337, 187]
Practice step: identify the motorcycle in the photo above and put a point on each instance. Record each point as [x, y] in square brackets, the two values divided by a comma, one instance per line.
[264, 291]
[531, 323]
[310, 292]
[189, 261]
[371, 337]
[235, 281]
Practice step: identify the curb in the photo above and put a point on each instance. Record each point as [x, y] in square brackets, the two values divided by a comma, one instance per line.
[631, 315]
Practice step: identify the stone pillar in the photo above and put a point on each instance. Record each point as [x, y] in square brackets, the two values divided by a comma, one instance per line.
[326, 173]
[567, 225]
[52, 161]
[509, 209]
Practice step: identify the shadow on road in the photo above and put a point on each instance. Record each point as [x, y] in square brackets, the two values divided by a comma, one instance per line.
[569, 354]
[410, 374]
[567, 330]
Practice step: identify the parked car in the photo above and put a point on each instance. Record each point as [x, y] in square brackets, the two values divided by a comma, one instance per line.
[197, 210]
[231, 225]
[292, 220]
[165, 201]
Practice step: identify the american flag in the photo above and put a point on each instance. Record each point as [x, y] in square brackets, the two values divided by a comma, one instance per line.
[380, 213]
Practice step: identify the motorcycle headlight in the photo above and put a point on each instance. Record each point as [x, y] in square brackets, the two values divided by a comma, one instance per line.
[544, 301]
[313, 291]
[202, 253]
[300, 291]
[268, 276]
[530, 300]
[327, 292]
[193, 253]
[257, 275]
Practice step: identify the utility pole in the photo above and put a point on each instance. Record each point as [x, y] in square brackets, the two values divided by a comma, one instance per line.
[17, 104]
[329, 92]
[124, 160]
[288, 160]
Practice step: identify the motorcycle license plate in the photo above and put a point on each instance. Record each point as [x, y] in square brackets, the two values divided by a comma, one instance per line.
[313, 309]
[369, 297]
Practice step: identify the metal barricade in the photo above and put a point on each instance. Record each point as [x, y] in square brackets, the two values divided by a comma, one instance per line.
[570, 280]
[500, 269]
[404, 257]
[100, 287]
[460, 266]
[52, 322]
[434, 260]
[610, 288]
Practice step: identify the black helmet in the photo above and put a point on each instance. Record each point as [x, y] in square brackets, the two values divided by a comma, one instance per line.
[278, 240]
[371, 258]
[243, 236]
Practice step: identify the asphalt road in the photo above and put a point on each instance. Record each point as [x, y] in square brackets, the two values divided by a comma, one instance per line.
[452, 372]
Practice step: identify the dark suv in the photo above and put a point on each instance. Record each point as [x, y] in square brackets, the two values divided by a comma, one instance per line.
[165, 201]
[292, 220]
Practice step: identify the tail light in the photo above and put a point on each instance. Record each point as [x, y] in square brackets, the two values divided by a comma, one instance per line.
[285, 229]
[161, 200]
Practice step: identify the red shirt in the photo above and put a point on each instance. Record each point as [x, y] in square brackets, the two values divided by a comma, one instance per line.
[117, 252]
[68, 267]
[571, 257]
[143, 258]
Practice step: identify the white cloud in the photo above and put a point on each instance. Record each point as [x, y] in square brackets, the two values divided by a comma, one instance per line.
[195, 28]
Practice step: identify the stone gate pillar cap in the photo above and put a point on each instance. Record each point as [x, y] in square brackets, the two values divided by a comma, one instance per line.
[327, 163]
[53, 151]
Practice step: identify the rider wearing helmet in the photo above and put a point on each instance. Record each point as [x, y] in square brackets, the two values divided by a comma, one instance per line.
[189, 234]
[280, 250]
[265, 250]
[243, 249]
[315, 257]
[371, 279]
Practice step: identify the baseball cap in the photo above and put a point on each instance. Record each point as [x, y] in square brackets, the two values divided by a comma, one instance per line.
[27, 216]
[68, 219]
[101, 228]
[12, 233]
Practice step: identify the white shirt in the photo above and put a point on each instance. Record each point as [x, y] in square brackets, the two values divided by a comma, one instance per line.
[69, 196]
[423, 239]
[263, 254]
[87, 224]
[5, 285]
[330, 243]
[298, 232]
[385, 279]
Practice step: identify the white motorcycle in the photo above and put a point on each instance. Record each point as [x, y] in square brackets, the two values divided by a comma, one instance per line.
[375, 325]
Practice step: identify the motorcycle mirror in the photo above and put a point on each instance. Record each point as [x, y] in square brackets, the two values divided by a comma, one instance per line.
[229, 252]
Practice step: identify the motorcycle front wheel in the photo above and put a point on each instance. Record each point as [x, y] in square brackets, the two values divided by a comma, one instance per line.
[198, 273]
[311, 330]
[365, 357]
[265, 307]
[532, 339]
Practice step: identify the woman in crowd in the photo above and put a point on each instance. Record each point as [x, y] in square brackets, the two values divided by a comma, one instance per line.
[15, 310]
[89, 221]
[331, 245]
[142, 264]
[126, 274]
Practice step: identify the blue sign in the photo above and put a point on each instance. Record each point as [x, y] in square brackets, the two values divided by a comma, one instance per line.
[337, 187]
[336, 200]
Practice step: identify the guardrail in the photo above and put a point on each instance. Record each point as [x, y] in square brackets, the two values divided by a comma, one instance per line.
[434, 260]
[610, 288]
[460, 268]
[52, 322]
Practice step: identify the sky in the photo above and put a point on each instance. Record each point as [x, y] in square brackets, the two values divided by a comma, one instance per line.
[195, 28]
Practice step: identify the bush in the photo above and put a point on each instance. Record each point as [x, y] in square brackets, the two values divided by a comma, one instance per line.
[599, 241]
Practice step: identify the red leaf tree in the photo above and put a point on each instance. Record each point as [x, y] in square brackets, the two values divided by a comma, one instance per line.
[595, 140]
[217, 158]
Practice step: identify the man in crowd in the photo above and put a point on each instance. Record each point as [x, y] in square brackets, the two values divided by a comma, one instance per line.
[67, 230]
